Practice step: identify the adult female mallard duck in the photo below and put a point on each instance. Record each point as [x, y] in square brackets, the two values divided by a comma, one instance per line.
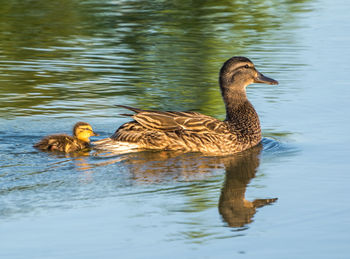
[193, 131]
[82, 131]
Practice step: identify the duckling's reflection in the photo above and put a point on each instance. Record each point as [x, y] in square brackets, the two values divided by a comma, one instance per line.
[240, 169]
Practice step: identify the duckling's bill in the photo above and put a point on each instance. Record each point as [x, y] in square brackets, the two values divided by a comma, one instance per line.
[95, 134]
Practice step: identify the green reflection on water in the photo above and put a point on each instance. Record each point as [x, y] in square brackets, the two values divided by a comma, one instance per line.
[66, 57]
[77, 57]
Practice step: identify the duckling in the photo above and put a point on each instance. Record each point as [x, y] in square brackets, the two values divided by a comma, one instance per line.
[82, 131]
[195, 132]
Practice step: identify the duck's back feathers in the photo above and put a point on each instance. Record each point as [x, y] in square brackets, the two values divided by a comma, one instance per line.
[60, 142]
[172, 121]
[186, 131]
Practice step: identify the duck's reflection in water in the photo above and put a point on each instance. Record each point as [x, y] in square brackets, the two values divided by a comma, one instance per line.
[163, 166]
[240, 169]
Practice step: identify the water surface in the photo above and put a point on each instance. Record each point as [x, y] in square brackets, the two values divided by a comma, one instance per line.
[68, 61]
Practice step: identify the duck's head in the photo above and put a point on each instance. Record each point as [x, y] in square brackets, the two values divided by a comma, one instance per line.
[83, 131]
[238, 72]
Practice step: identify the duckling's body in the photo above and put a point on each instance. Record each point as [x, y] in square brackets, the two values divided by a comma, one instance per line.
[61, 142]
[193, 131]
[82, 131]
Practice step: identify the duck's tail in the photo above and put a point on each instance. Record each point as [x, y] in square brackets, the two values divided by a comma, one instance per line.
[112, 145]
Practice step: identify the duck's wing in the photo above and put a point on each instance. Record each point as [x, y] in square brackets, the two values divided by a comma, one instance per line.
[172, 121]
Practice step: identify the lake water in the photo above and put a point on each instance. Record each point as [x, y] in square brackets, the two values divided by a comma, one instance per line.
[68, 61]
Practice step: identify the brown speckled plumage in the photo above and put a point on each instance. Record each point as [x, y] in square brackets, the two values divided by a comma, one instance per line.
[195, 132]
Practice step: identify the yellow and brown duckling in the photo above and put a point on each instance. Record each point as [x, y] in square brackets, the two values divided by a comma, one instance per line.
[82, 131]
[195, 132]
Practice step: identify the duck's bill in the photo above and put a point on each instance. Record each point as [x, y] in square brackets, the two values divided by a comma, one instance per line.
[95, 134]
[265, 80]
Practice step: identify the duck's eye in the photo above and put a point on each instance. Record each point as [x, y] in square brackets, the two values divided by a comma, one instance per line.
[246, 66]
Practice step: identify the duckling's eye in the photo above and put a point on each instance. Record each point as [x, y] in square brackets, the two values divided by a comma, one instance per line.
[246, 66]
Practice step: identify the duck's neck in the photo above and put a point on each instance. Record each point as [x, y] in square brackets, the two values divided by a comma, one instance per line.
[241, 115]
[234, 102]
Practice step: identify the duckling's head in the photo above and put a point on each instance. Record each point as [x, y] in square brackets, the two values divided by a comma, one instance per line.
[83, 131]
[238, 72]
